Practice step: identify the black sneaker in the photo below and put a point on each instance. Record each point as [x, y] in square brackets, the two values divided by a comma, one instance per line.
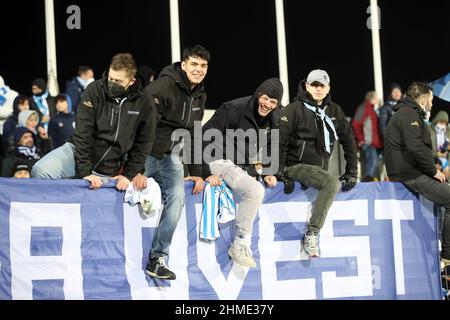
[157, 268]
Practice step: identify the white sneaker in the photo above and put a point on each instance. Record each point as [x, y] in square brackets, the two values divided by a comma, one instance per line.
[241, 254]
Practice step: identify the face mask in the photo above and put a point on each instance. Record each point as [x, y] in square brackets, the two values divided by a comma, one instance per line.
[115, 90]
[441, 126]
[90, 80]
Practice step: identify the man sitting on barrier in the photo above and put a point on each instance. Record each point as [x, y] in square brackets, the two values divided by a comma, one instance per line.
[114, 132]
[309, 127]
[409, 155]
[245, 120]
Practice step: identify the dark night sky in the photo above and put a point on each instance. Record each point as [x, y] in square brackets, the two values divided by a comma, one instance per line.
[241, 36]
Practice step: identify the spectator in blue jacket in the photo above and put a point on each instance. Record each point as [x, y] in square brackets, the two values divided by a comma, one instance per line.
[62, 125]
[76, 86]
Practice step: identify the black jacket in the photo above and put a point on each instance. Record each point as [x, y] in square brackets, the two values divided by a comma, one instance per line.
[407, 143]
[299, 134]
[242, 114]
[107, 129]
[178, 106]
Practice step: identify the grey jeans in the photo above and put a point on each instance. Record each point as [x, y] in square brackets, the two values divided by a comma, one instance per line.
[247, 188]
[439, 193]
[317, 178]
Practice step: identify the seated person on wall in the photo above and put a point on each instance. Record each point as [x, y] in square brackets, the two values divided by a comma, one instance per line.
[115, 120]
[409, 156]
[309, 126]
[245, 118]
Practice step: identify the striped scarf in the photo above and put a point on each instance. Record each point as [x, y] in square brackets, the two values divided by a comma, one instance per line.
[29, 152]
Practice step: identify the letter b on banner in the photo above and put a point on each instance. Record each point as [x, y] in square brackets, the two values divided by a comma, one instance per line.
[45, 251]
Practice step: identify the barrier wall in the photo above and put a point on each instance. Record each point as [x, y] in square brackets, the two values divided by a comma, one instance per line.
[60, 240]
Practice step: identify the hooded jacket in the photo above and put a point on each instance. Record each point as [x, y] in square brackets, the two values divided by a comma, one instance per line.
[242, 113]
[108, 128]
[440, 116]
[299, 134]
[11, 123]
[74, 89]
[407, 143]
[177, 104]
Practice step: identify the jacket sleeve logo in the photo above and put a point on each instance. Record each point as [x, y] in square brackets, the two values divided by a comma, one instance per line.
[88, 104]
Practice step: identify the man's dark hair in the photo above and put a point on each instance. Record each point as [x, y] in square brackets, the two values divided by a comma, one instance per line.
[196, 51]
[61, 97]
[124, 61]
[416, 89]
[83, 69]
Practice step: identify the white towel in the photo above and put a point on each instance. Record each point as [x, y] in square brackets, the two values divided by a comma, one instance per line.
[149, 198]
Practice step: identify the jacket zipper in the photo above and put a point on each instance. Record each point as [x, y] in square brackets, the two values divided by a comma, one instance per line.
[303, 150]
[115, 137]
[190, 110]
[184, 111]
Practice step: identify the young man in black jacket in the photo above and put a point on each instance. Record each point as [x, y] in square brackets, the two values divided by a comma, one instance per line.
[309, 127]
[242, 145]
[114, 132]
[180, 97]
[409, 155]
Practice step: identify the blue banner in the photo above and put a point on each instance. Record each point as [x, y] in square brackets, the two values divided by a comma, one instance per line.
[60, 240]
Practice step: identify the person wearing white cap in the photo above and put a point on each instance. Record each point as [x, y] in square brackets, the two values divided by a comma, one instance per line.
[309, 128]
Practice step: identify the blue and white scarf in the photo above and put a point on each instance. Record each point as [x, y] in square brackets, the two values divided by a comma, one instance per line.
[326, 121]
[28, 152]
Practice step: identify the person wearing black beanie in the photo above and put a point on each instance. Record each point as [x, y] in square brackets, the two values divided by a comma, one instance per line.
[43, 101]
[251, 121]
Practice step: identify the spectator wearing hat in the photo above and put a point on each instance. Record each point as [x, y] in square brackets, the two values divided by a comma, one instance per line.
[309, 128]
[21, 170]
[386, 111]
[7, 96]
[61, 126]
[252, 115]
[43, 101]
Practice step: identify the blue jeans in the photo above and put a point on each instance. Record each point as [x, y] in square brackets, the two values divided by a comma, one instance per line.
[58, 164]
[371, 156]
[169, 174]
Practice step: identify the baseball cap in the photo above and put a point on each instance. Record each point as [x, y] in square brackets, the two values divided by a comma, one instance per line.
[318, 76]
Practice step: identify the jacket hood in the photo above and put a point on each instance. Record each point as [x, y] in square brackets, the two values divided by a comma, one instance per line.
[305, 96]
[441, 116]
[20, 131]
[16, 110]
[409, 103]
[23, 116]
[175, 72]
[406, 101]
